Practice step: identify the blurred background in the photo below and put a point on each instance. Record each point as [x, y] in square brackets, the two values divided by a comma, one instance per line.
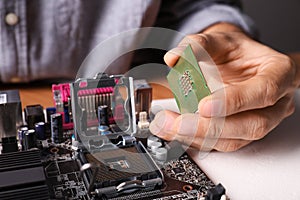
[278, 22]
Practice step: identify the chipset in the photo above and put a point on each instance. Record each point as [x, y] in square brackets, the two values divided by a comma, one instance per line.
[187, 82]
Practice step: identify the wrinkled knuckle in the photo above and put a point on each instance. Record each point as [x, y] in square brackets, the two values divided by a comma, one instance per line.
[271, 93]
[201, 39]
[213, 130]
[259, 129]
[236, 102]
[240, 102]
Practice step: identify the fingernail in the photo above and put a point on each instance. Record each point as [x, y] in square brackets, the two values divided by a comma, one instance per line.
[158, 123]
[189, 125]
[211, 108]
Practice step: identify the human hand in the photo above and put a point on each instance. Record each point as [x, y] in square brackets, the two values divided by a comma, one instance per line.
[259, 85]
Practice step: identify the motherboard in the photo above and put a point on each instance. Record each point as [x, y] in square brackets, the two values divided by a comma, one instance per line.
[94, 143]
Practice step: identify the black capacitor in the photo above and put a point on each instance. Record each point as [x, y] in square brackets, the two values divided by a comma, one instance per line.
[40, 130]
[49, 112]
[103, 115]
[48, 130]
[57, 128]
[29, 140]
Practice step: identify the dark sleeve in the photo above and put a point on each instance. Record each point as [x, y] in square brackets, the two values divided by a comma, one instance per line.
[193, 16]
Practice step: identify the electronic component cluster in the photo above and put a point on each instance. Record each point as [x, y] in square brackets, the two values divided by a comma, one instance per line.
[94, 143]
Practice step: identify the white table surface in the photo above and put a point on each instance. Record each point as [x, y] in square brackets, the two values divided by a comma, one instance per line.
[265, 169]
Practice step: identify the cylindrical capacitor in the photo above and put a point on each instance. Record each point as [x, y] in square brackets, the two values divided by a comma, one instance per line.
[161, 154]
[152, 139]
[21, 132]
[50, 111]
[57, 128]
[40, 130]
[154, 146]
[103, 115]
[29, 140]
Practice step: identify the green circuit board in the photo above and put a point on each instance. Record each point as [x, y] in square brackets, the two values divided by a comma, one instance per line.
[187, 82]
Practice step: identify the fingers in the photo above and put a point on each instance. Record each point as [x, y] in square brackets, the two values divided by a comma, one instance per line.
[199, 44]
[217, 46]
[257, 92]
[167, 122]
[172, 56]
[255, 124]
[183, 128]
[220, 134]
[162, 125]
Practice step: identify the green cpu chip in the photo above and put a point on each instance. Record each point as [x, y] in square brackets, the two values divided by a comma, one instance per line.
[187, 82]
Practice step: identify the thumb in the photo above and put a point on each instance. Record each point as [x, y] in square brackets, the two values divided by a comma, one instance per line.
[216, 45]
[199, 43]
[162, 124]
[172, 56]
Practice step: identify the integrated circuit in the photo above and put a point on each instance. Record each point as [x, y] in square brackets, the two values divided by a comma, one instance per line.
[187, 82]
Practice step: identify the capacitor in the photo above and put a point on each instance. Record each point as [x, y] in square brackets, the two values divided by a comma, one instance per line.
[29, 140]
[57, 128]
[161, 154]
[21, 133]
[103, 115]
[151, 139]
[154, 146]
[40, 130]
[50, 111]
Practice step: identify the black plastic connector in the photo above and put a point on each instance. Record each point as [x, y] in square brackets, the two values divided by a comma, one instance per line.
[9, 144]
[215, 193]
[34, 114]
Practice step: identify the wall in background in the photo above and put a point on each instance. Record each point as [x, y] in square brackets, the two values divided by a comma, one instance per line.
[278, 22]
